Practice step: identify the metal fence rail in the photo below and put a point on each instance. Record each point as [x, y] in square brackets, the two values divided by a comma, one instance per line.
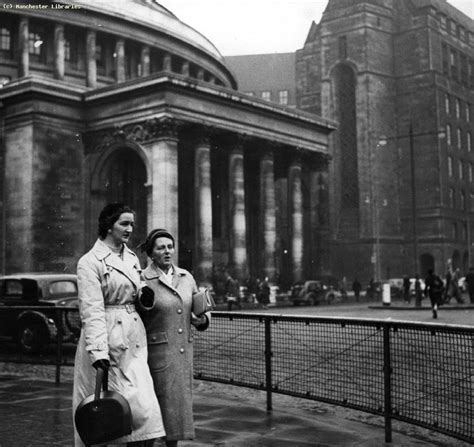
[417, 373]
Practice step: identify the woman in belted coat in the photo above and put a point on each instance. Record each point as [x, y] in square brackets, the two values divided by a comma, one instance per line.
[168, 321]
[113, 336]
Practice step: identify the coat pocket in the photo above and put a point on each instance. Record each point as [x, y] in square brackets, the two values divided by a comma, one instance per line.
[158, 350]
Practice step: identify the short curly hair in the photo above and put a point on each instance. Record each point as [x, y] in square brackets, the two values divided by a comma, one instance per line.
[109, 215]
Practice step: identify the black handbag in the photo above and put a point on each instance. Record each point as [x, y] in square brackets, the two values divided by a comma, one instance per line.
[103, 416]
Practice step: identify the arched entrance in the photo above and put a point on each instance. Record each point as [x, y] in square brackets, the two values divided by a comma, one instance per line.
[456, 260]
[121, 177]
[427, 262]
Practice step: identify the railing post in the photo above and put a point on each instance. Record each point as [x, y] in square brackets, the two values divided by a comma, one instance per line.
[268, 362]
[387, 368]
[59, 343]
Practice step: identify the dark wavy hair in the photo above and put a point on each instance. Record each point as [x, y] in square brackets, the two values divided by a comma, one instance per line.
[109, 215]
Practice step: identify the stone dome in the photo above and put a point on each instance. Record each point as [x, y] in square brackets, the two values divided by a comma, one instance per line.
[151, 14]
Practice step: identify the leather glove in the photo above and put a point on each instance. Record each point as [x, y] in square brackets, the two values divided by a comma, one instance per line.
[147, 297]
[102, 363]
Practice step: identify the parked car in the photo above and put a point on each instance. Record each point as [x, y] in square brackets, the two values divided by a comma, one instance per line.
[312, 293]
[28, 303]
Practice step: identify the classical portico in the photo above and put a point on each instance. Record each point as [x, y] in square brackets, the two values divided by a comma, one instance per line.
[247, 145]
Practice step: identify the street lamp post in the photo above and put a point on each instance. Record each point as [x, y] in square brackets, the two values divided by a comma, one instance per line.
[414, 216]
[413, 202]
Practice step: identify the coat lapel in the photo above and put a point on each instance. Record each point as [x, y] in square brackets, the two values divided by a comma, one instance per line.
[125, 266]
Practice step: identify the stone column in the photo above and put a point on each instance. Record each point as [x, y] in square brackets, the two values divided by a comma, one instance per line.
[203, 253]
[145, 60]
[164, 161]
[313, 244]
[24, 49]
[296, 216]
[267, 207]
[59, 51]
[238, 229]
[185, 69]
[167, 62]
[120, 60]
[91, 63]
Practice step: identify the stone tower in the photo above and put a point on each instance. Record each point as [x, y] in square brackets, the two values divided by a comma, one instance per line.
[377, 67]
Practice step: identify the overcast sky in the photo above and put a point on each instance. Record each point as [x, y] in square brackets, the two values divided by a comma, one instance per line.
[259, 26]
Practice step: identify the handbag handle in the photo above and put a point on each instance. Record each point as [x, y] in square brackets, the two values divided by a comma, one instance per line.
[101, 380]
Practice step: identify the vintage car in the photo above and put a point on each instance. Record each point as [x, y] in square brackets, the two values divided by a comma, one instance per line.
[312, 293]
[28, 308]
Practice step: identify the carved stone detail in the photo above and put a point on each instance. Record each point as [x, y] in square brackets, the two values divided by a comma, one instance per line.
[152, 129]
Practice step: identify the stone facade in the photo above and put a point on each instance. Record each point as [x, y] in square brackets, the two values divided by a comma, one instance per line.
[101, 108]
[381, 68]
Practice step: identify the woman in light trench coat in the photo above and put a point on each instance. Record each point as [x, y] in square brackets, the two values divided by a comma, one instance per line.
[113, 336]
[168, 320]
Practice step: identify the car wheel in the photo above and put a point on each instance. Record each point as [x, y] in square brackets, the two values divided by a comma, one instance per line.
[32, 337]
[330, 297]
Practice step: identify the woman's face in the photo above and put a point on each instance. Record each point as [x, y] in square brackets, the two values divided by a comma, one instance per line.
[162, 253]
[123, 228]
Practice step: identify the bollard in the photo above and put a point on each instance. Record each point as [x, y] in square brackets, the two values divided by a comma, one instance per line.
[386, 294]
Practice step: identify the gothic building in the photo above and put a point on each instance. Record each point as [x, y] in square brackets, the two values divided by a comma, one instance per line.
[121, 101]
[398, 76]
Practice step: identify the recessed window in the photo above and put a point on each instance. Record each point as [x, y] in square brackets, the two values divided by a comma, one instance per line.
[267, 95]
[250, 93]
[468, 112]
[458, 108]
[448, 134]
[4, 80]
[458, 139]
[37, 42]
[461, 170]
[5, 39]
[455, 230]
[450, 166]
[451, 197]
[71, 47]
[469, 142]
[463, 200]
[470, 172]
[442, 20]
[447, 103]
[283, 97]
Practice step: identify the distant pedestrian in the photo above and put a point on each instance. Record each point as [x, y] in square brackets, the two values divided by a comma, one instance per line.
[470, 284]
[232, 293]
[371, 289]
[456, 292]
[264, 293]
[434, 288]
[343, 288]
[418, 291]
[356, 288]
[447, 285]
[406, 289]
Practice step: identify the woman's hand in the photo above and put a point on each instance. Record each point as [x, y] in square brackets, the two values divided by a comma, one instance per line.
[200, 323]
[147, 296]
[102, 364]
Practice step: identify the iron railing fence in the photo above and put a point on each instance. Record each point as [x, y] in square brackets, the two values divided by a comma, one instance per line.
[418, 373]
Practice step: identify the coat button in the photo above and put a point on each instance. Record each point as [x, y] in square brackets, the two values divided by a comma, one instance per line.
[181, 350]
[153, 338]
[138, 345]
[180, 331]
[180, 311]
[119, 321]
[135, 318]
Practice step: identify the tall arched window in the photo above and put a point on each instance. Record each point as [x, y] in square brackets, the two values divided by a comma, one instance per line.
[448, 134]
[345, 88]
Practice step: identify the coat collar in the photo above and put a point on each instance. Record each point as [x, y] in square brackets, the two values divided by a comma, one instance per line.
[153, 272]
[130, 261]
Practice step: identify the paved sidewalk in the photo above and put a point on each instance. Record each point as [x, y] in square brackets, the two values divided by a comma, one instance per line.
[36, 412]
